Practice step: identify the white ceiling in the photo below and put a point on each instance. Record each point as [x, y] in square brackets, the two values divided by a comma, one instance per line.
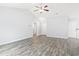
[69, 9]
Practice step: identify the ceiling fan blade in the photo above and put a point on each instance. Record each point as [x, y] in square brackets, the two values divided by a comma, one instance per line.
[46, 10]
[45, 6]
[37, 6]
[35, 10]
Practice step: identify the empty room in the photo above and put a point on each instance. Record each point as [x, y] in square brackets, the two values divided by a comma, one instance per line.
[39, 29]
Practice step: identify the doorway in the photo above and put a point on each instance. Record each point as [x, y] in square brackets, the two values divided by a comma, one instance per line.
[40, 26]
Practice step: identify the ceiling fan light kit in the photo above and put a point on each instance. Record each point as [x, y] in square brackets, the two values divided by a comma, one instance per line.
[41, 8]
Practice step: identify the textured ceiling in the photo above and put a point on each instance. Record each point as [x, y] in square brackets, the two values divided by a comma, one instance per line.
[69, 9]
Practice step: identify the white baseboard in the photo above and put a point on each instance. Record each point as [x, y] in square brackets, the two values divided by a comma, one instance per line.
[58, 37]
[6, 42]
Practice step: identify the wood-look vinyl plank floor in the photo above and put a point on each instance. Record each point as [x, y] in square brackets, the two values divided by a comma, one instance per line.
[41, 46]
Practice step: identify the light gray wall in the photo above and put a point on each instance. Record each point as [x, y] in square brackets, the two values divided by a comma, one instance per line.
[73, 25]
[15, 24]
[57, 26]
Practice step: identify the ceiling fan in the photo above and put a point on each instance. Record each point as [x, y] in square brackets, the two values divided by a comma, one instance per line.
[41, 8]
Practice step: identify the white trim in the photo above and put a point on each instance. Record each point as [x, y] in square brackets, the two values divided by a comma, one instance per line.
[6, 42]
